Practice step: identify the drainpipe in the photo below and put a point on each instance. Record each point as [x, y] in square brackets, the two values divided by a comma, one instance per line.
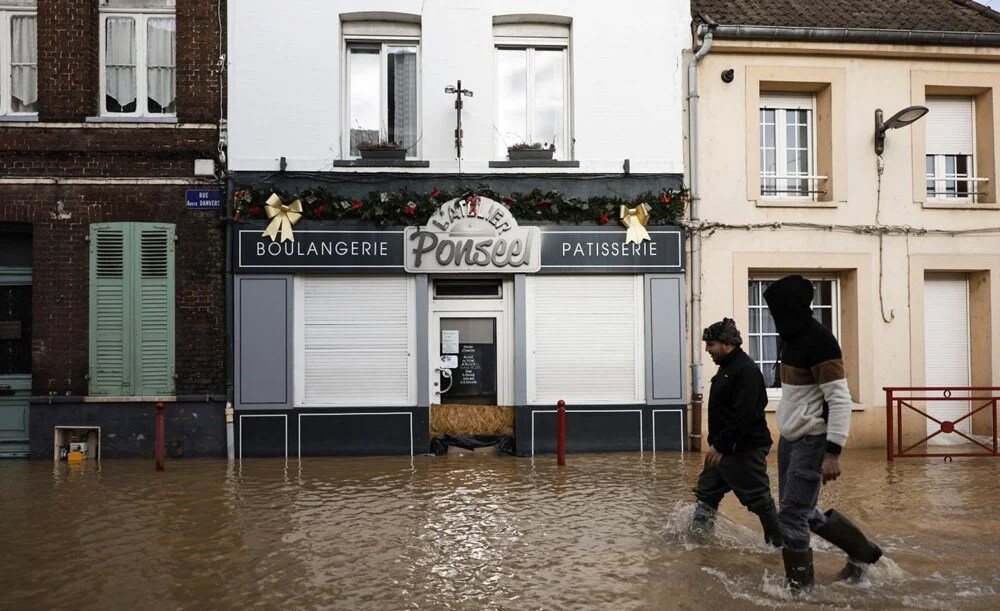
[695, 259]
[230, 320]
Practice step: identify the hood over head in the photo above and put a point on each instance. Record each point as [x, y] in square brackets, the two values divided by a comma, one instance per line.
[789, 300]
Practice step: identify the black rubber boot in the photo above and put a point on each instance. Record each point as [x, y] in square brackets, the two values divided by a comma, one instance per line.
[798, 568]
[861, 551]
[703, 519]
[772, 529]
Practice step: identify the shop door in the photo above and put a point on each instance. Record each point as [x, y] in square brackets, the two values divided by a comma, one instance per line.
[15, 360]
[946, 349]
[470, 344]
[470, 367]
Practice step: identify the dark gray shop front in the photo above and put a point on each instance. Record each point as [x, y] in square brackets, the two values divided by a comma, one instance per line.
[270, 423]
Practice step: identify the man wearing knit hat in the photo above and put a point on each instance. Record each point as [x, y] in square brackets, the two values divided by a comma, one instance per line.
[814, 418]
[738, 437]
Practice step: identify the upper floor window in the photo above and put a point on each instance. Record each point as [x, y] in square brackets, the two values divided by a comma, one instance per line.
[382, 86]
[138, 58]
[763, 346]
[787, 146]
[18, 61]
[950, 158]
[533, 86]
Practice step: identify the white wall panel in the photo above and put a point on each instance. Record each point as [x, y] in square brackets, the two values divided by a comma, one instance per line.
[285, 64]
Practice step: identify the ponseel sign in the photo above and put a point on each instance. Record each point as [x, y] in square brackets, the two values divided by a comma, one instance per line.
[475, 234]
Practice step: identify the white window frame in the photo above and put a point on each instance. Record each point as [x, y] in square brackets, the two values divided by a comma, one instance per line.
[141, 64]
[299, 354]
[781, 104]
[941, 177]
[564, 150]
[756, 310]
[382, 42]
[7, 57]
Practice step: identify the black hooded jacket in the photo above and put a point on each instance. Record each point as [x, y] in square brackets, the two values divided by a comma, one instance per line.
[736, 404]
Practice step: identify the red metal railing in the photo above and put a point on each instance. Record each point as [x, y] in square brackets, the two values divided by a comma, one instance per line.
[980, 398]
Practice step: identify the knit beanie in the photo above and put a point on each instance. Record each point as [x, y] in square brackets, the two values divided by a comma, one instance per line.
[724, 331]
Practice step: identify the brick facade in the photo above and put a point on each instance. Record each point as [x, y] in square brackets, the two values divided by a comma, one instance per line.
[63, 145]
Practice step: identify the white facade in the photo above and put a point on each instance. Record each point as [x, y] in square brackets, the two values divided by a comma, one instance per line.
[287, 72]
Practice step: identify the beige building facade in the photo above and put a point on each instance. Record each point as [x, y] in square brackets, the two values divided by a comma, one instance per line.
[903, 247]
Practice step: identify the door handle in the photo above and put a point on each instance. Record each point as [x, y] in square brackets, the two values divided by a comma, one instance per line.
[6, 390]
[446, 373]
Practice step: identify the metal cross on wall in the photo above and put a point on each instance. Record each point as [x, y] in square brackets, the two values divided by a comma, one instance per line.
[459, 92]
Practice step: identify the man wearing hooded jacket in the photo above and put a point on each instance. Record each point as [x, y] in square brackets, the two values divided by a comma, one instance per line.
[814, 418]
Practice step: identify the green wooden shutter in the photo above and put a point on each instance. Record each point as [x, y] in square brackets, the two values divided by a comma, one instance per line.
[110, 309]
[154, 308]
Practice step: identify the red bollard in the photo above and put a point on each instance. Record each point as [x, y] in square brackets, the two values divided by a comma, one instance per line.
[158, 442]
[561, 434]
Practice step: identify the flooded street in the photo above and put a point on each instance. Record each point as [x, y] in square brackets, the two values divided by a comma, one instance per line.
[472, 532]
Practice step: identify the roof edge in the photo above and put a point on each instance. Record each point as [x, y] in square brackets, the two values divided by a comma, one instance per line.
[980, 8]
[869, 35]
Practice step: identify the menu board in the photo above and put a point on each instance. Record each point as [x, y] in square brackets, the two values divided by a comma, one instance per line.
[477, 373]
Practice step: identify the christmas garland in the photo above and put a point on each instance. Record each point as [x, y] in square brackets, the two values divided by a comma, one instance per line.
[410, 208]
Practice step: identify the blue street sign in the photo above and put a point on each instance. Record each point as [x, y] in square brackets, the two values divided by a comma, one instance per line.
[204, 199]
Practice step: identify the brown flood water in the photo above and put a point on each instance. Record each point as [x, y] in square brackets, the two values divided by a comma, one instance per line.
[472, 532]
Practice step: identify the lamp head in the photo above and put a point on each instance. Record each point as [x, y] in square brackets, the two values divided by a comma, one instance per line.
[901, 119]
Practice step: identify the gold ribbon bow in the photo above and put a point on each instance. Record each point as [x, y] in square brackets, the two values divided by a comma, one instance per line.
[635, 220]
[282, 218]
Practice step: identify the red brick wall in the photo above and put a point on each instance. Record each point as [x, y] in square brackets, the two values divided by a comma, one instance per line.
[68, 90]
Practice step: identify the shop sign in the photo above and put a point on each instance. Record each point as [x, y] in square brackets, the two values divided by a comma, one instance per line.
[474, 234]
[597, 250]
[335, 250]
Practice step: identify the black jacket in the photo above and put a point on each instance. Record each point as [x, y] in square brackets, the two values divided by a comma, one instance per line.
[736, 404]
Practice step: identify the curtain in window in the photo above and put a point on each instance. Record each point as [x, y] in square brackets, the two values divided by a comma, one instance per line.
[160, 60]
[24, 63]
[403, 101]
[119, 58]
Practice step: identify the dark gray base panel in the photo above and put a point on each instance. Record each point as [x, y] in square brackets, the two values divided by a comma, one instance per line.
[603, 428]
[333, 432]
[192, 429]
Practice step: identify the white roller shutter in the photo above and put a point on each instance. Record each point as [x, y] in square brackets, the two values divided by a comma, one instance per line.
[585, 339]
[946, 348]
[950, 126]
[788, 101]
[356, 335]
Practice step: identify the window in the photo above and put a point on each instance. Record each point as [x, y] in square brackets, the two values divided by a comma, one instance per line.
[18, 62]
[950, 163]
[131, 309]
[787, 146]
[762, 337]
[586, 339]
[138, 59]
[533, 86]
[382, 85]
[350, 329]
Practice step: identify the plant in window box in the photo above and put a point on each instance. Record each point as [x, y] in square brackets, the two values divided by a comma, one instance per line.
[381, 149]
[530, 151]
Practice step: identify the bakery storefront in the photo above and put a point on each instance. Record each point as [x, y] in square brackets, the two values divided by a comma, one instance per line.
[353, 339]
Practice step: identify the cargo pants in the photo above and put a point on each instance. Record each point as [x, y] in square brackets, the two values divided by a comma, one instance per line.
[800, 478]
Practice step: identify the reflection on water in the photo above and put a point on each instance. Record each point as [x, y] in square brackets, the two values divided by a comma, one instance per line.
[470, 532]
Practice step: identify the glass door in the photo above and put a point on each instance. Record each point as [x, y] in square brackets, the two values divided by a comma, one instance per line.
[467, 372]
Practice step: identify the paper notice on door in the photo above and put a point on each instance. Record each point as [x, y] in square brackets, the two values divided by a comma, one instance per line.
[449, 341]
